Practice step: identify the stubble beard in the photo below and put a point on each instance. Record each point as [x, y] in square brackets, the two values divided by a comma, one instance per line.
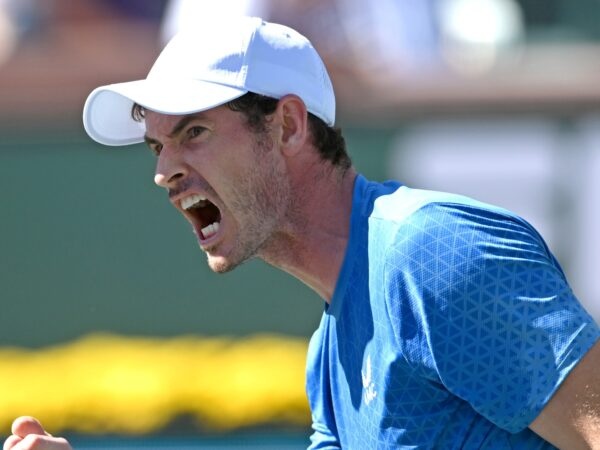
[259, 203]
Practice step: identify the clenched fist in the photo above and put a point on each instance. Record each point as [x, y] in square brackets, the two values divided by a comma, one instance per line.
[28, 434]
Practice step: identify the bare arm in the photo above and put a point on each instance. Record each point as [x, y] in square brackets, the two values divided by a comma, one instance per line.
[28, 434]
[571, 419]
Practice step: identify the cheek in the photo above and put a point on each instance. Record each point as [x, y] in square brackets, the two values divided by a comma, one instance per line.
[234, 159]
[227, 160]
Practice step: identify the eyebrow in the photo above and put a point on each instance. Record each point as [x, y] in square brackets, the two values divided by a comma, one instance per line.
[179, 126]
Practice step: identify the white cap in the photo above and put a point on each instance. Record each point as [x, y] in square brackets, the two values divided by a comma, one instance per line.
[208, 66]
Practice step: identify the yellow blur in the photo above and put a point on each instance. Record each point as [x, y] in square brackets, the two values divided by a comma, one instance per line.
[105, 383]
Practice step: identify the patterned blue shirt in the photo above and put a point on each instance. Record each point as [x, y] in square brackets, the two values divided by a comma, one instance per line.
[451, 326]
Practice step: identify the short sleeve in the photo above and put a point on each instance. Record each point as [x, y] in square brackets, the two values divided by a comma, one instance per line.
[480, 305]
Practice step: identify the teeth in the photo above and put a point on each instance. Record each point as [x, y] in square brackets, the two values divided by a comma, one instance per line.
[192, 200]
[209, 230]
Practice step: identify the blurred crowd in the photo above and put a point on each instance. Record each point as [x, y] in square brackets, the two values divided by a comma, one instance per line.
[53, 51]
[383, 35]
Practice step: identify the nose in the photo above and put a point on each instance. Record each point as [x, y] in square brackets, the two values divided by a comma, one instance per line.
[170, 168]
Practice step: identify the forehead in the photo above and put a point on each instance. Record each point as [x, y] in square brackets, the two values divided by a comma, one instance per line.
[159, 124]
[157, 121]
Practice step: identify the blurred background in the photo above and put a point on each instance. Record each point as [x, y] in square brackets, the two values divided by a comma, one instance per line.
[115, 333]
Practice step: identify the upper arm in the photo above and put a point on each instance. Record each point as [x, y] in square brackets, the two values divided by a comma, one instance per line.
[571, 419]
[490, 306]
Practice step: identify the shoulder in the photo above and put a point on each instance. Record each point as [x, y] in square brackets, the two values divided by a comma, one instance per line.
[433, 208]
[419, 223]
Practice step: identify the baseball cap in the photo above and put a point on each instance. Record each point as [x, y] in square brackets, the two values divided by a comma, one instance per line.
[208, 66]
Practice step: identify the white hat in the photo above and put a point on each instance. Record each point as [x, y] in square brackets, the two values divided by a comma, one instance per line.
[208, 66]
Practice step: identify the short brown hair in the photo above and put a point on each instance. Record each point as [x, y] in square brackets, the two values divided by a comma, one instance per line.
[329, 141]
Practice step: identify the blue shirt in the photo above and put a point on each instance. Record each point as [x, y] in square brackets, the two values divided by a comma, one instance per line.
[450, 327]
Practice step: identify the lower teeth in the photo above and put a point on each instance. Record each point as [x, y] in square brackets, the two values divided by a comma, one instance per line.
[210, 230]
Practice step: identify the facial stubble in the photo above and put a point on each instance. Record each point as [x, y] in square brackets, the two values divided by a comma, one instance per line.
[258, 200]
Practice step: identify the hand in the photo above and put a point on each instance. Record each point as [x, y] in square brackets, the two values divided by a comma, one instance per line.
[28, 434]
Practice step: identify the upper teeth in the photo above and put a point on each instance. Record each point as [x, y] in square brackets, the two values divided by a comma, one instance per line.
[192, 200]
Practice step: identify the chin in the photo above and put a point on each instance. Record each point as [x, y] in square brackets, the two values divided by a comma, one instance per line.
[220, 264]
[222, 261]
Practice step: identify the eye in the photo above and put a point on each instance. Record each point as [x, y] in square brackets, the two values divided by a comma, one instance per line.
[156, 149]
[195, 131]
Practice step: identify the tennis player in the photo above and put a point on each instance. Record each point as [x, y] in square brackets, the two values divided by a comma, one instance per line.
[447, 323]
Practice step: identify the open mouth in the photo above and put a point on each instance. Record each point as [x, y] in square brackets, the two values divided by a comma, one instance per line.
[205, 215]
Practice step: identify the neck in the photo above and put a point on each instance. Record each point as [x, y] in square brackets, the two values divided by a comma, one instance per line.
[312, 244]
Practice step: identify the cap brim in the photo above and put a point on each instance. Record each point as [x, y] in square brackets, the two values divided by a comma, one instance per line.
[107, 111]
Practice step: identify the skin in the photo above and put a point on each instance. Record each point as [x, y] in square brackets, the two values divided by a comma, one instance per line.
[197, 160]
[571, 419]
[28, 434]
[280, 202]
[285, 205]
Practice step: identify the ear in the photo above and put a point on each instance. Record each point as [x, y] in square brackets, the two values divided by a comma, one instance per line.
[293, 119]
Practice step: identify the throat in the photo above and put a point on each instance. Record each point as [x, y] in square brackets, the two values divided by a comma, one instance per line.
[317, 266]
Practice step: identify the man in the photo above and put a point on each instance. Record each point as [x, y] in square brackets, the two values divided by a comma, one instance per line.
[448, 323]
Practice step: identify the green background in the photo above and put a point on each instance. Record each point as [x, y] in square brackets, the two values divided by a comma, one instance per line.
[89, 243]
